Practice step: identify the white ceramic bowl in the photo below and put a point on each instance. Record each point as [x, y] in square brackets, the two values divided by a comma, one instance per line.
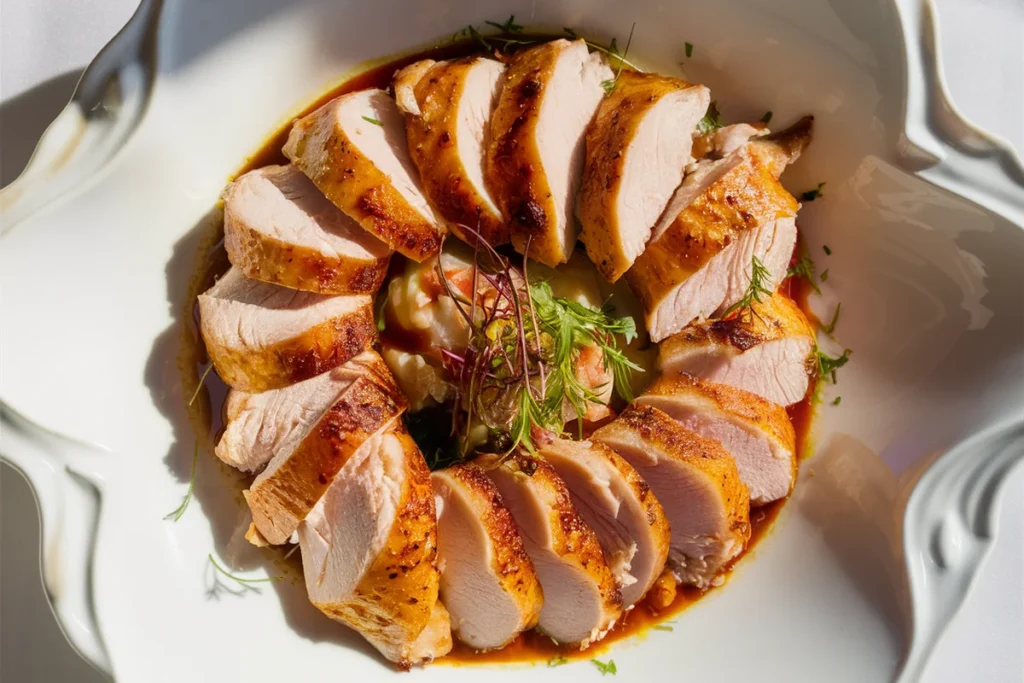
[890, 519]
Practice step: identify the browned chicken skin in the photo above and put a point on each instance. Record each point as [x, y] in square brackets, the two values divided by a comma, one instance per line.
[354, 150]
[284, 493]
[261, 336]
[369, 551]
[767, 349]
[488, 581]
[638, 144]
[446, 140]
[536, 147]
[698, 483]
[581, 597]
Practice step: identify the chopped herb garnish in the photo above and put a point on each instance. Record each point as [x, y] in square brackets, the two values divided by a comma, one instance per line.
[837, 401]
[179, 511]
[520, 363]
[244, 585]
[373, 121]
[828, 252]
[811, 195]
[202, 380]
[663, 627]
[558, 661]
[827, 365]
[605, 669]
[609, 85]
[766, 118]
[711, 121]
[759, 278]
[570, 32]
[509, 25]
[689, 49]
[804, 267]
[824, 275]
[831, 327]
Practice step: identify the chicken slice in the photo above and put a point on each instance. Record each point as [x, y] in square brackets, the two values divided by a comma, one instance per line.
[261, 336]
[726, 213]
[536, 148]
[292, 483]
[615, 501]
[488, 582]
[638, 144]
[697, 483]
[756, 433]
[581, 597]
[369, 551]
[279, 228]
[405, 83]
[766, 350]
[258, 426]
[354, 150]
[446, 131]
[724, 141]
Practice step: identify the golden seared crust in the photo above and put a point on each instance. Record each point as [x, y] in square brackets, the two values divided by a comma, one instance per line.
[320, 348]
[747, 196]
[571, 538]
[765, 415]
[321, 149]
[400, 588]
[608, 136]
[405, 82]
[652, 507]
[778, 150]
[280, 501]
[433, 146]
[265, 258]
[657, 428]
[774, 318]
[512, 566]
[513, 169]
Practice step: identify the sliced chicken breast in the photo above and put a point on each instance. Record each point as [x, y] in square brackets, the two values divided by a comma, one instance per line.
[261, 336]
[354, 150]
[615, 501]
[279, 228]
[756, 433]
[292, 483]
[766, 350]
[727, 212]
[369, 551]
[258, 426]
[488, 582]
[446, 132]
[406, 80]
[701, 261]
[536, 148]
[581, 596]
[638, 144]
[698, 484]
[724, 141]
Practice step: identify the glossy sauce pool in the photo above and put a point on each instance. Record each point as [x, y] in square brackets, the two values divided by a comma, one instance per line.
[206, 411]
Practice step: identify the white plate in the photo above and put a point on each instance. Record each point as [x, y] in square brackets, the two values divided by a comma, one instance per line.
[891, 516]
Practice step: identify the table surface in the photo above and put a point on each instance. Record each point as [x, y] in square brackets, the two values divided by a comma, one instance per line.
[44, 45]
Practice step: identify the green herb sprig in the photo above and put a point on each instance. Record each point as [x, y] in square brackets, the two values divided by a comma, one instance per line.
[373, 121]
[605, 669]
[178, 512]
[711, 121]
[243, 584]
[811, 195]
[804, 267]
[558, 661]
[609, 85]
[760, 278]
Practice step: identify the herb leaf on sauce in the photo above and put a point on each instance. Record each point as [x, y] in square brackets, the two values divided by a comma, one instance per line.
[605, 669]
[804, 267]
[811, 195]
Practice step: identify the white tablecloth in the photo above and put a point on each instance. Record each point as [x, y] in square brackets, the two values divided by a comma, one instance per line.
[45, 43]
